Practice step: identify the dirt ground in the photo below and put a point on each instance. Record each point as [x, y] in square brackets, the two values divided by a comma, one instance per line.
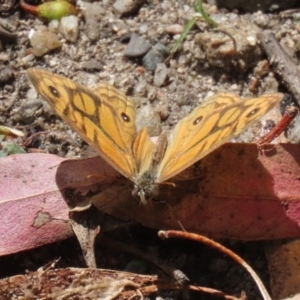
[210, 60]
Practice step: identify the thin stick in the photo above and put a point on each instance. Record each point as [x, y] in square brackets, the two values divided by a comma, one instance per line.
[202, 239]
[289, 115]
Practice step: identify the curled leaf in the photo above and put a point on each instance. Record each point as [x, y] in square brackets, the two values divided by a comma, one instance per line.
[52, 10]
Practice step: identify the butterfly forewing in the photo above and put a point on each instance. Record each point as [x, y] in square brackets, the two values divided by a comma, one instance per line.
[201, 132]
[83, 109]
[116, 105]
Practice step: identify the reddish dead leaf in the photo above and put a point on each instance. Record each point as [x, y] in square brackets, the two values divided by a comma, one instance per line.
[234, 193]
[32, 211]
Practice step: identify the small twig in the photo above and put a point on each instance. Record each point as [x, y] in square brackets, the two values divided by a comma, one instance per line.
[152, 289]
[29, 140]
[204, 240]
[283, 64]
[289, 115]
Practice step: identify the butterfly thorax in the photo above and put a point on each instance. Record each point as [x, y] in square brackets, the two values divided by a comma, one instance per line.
[145, 187]
[146, 181]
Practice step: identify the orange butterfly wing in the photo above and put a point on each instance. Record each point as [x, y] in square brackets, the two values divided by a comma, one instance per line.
[208, 127]
[104, 117]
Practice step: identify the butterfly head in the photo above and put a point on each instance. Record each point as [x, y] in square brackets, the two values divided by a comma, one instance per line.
[145, 187]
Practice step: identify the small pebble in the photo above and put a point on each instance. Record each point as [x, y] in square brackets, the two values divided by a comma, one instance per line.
[160, 75]
[262, 68]
[144, 29]
[141, 87]
[53, 26]
[119, 26]
[52, 149]
[128, 7]
[163, 111]
[137, 46]
[43, 42]
[69, 28]
[148, 117]
[26, 113]
[93, 13]
[6, 75]
[156, 55]
[271, 84]
[174, 29]
[184, 99]
[92, 65]
[152, 93]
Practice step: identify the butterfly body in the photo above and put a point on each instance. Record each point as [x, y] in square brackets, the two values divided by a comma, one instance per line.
[105, 118]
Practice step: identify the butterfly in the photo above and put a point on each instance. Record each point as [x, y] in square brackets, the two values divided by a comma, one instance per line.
[105, 118]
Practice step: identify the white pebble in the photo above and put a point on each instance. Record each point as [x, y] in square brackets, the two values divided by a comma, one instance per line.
[43, 42]
[53, 26]
[69, 28]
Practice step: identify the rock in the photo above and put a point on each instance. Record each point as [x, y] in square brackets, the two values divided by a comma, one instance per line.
[93, 13]
[43, 42]
[262, 68]
[53, 26]
[120, 27]
[148, 117]
[140, 87]
[163, 111]
[6, 74]
[26, 113]
[174, 29]
[137, 46]
[160, 75]
[92, 65]
[52, 149]
[128, 7]
[156, 55]
[231, 47]
[69, 28]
